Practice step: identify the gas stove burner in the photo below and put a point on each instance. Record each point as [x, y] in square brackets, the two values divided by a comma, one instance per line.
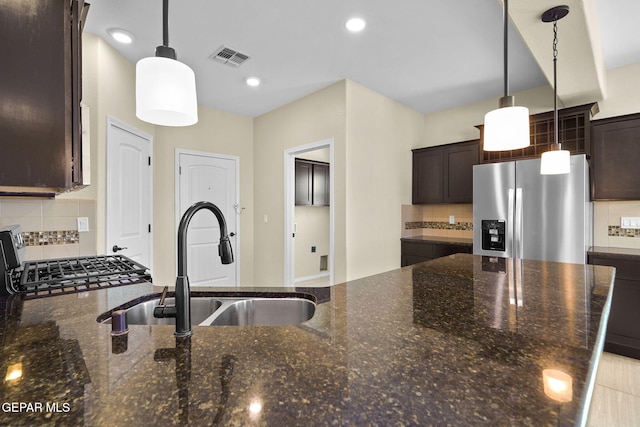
[70, 275]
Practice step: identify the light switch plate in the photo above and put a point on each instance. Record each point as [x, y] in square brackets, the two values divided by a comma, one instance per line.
[630, 222]
[83, 224]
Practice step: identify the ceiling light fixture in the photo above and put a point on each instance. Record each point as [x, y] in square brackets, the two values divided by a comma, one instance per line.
[120, 35]
[506, 128]
[253, 81]
[555, 161]
[355, 25]
[165, 87]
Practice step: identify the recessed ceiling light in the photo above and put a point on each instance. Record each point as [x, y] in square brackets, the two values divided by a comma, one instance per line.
[355, 25]
[120, 35]
[253, 81]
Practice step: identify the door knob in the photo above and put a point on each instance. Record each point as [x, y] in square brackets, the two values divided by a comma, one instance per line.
[117, 248]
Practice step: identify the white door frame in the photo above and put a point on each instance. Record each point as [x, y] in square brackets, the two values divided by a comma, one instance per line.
[111, 123]
[236, 207]
[289, 207]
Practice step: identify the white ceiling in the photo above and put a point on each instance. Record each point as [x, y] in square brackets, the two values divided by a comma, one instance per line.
[427, 54]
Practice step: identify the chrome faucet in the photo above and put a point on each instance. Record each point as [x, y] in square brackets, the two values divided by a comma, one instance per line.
[182, 308]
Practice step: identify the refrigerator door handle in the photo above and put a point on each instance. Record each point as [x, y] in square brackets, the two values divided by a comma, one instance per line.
[510, 243]
[519, 230]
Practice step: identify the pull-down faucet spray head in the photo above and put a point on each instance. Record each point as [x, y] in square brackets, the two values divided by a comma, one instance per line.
[182, 309]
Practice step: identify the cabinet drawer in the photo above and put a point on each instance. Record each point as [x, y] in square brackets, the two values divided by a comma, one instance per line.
[412, 259]
[444, 250]
[626, 269]
[418, 249]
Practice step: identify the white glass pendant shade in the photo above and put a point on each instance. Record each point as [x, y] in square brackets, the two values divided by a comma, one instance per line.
[166, 92]
[555, 162]
[506, 128]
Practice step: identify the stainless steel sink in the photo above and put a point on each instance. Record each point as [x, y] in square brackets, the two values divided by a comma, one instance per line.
[223, 311]
[262, 312]
[142, 314]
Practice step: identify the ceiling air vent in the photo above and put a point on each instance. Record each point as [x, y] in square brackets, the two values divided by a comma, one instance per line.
[229, 56]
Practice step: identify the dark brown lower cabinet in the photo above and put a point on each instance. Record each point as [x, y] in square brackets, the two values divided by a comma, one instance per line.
[623, 329]
[414, 251]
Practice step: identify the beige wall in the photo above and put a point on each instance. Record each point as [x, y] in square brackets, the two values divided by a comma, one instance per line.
[312, 229]
[317, 117]
[623, 92]
[216, 132]
[459, 124]
[623, 97]
[380, 135]
[372, 136]
[108, 90]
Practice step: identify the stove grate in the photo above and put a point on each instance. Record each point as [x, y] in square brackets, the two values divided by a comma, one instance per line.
[71, 275]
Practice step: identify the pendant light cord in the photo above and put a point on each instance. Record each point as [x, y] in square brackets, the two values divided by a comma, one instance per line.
[164, 51]
[165, 23]
[505, 18]
[555, 83]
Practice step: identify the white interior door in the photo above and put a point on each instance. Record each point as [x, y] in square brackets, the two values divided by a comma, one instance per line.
[211, 178]
[129, 192]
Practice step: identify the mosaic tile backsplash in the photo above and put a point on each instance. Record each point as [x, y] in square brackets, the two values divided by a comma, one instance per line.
[43, 238]
[616, 231]
[438, 225]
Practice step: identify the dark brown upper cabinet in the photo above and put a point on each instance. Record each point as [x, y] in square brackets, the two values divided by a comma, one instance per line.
[40, 93]
[312, 183]
[615, 158]
[444, 173]
[573, 130]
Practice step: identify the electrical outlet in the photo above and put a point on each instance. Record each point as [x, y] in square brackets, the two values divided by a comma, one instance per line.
[452, 219]
[83, 224]
[632, 222]
[313, 249]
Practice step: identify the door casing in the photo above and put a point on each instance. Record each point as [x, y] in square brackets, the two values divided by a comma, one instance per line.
[112, 125]
[289, 207]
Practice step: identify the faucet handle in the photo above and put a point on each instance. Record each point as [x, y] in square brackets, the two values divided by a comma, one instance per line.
[161, 310]
[163, 296]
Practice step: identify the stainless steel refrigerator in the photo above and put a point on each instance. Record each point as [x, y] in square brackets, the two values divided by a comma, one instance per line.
[518, 213]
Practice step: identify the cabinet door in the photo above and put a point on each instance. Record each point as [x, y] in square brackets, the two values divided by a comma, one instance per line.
[320, 185]
[624, 318]
[35, 88]
[304, 179]
[615, 147]
[40, 82]
[458, 162]
[428, 176]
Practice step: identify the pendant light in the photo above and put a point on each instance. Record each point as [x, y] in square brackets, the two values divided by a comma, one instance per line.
[506, 128]
[555, 161]
[165, 87]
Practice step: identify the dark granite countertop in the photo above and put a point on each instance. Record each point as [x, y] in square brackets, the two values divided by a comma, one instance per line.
[460, 340]
[618, 253]
[439, 240]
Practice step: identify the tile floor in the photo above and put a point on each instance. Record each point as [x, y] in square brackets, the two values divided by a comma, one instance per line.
[616, 397]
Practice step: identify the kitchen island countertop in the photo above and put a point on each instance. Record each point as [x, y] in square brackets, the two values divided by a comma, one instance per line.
[461, 340]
